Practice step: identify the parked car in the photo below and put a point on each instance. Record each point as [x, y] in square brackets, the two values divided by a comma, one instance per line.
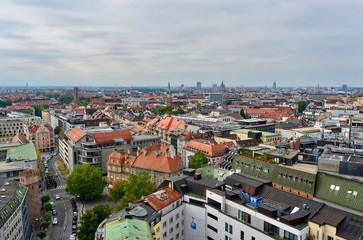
[54, 212]
[57, 197]
[55, 221]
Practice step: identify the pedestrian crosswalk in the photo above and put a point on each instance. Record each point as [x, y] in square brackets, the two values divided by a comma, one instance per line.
[58, 187]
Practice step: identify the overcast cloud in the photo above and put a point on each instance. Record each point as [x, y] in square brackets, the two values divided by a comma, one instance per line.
[124, 42]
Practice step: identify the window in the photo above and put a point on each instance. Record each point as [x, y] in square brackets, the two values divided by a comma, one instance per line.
[212, 228]
[253, 238]
[177, 226]
[165, 234]
[330, 238]
[245, 217]
[290, 236]
[226, 227]
[171, 230]
[230, 229]
[177, 216]
[242, 235]
[164, 224]
[214, 203]
[171, 220]
[270, 228]
[212, 216]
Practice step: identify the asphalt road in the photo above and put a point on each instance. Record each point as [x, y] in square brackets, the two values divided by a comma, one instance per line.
[63, 229]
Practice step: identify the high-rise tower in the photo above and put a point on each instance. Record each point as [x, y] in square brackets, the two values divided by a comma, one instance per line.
[75, 94]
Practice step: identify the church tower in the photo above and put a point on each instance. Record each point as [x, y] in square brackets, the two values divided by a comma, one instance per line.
[169, 96]
[222, 88]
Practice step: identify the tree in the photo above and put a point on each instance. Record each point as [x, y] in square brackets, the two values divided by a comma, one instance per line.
[178, 111]
[86, 181]
[39, 109]
[164, 110]
[57, 130]
[47, 207]
[42, 235]
[47, 217]
[229, 102]
[135, 187]
[301, 105]
[102, 211]
[117, 191]
[5, 103]
[45, 224]
[197, 160]
[244, 115]
[91, 219]
[45, 198]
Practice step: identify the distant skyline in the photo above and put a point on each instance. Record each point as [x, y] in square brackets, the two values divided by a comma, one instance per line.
[149, 43]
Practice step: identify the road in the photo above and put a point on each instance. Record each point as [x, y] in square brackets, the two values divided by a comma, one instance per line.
[63, 229]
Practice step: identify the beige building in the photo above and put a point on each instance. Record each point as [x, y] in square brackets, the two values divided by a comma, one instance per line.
[42, 136]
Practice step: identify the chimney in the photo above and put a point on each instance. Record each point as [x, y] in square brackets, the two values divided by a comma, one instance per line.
[197, 176]
[145, 151]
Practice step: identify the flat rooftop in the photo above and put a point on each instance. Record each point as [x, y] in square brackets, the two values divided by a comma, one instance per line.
[309, 168]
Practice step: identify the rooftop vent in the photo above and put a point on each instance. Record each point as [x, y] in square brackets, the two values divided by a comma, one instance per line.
[197, 176]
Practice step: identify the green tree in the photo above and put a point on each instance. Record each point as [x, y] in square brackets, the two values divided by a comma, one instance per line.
[47, 207]
[91, 219]
[164, 110]
[5, 103]
[57, 130]
[45, 224]
[135, 187]
[301, 105]
[86, 181]
[117, 191]
[39, 109]
[42, 235]
[178, 111]
[47, 217]
[83, 101]
[229, 102]
[102, 211]
[197, 160]
[65, 99]
[45, 198]
[244, 115]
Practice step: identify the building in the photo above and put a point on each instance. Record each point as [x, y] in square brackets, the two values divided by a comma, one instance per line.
[274, 85]
[161, 162]
[75, 93]
[14, 215]
[42, 136]
[30, 179]
[9, 127]
[119, 165]
[222, 88]
[216, 97]
[257, 124]
[95, 146]
[213, 151]
[265, 137]
[166, 126]
[199, 84]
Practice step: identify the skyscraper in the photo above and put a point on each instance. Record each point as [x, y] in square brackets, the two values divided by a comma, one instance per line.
[199, 84]
[274, 85]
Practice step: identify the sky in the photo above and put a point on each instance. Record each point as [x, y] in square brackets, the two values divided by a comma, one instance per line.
[151, 43]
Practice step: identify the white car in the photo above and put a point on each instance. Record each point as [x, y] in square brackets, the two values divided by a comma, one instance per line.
[55, 221]
[57, 197]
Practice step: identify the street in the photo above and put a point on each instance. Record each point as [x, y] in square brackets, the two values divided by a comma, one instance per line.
[63, 229]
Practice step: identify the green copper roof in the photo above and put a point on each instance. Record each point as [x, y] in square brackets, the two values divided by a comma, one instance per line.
[23, 152]
[254, 167]
[130, 229]
[11, 198]
[338, 190]
[279, 174]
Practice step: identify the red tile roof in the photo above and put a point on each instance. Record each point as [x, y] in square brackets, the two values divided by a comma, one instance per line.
[158, 158]
[162, 198]
[110, 137]
[170, 124]
[33, 128]
[120, 158]
[75, 134]
[209, 148]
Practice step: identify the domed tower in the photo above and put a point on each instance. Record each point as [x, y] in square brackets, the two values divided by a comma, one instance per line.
[169, 96]
[222, 88]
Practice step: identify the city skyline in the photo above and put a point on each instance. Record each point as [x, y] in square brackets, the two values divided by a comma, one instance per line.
[108, 43]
